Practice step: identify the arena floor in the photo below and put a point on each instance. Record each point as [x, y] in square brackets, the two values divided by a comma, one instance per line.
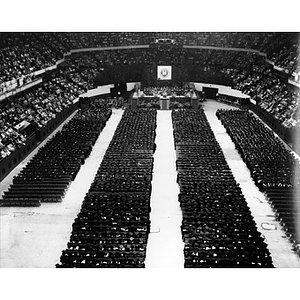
[34, 237]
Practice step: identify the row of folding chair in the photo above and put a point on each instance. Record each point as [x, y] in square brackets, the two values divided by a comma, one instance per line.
[215, 213]
[273, 168]
[48, 174]
[111, 230]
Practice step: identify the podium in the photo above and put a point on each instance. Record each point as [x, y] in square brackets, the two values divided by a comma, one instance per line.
[134, 103]
[164, 103]
[195, 100]
[195, 103]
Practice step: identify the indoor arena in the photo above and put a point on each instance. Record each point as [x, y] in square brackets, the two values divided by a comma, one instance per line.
[150, 150]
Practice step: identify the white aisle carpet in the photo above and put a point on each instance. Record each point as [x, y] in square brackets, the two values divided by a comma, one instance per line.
[165, 246]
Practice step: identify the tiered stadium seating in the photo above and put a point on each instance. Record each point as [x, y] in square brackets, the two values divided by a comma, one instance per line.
[46, 177]
[39, 106]
[270, 91]
[273, 168]
[34, 51]
[111, 229]
[217, 228]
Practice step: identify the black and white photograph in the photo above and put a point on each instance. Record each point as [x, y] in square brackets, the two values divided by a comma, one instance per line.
[162, 150]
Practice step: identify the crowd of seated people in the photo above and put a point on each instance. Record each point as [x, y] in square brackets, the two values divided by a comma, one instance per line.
[189, 65]
[111, 230]
[272, 94]
[184, 103]
[269, 91]
[10, 139]
[165, 90]
[273, 168]
[47, 175]
[38, 105]
[180, 96]
[78, 40]
[55, 41]
[202, 65]
[110, 66]
[272, 164]
[282, 48]
[41, 103]
[148, 103]
[214, 59]
[210, 60]
[116, 102]
[102, 59]
[154, 103]
[24, 53]
[218, 229]
[83, 77]
[112, 102]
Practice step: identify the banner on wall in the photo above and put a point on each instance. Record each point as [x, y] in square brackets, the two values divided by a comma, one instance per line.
[164, 72]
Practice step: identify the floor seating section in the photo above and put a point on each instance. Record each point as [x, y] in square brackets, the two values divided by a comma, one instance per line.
[48, 174]
[111, 230]
[217, 228]
[273, 167]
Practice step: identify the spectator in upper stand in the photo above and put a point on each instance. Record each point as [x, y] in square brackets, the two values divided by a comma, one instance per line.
[39, 105]
[24, 53]
[10, 139]
[270, 91]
